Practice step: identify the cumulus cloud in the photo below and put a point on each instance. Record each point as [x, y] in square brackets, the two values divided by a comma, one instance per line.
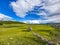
[23, 6]
[51, 7]
[54, 19]
[32, 21]
[4, 17]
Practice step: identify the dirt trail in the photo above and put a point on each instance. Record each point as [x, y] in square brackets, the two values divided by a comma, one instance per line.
[43, 39]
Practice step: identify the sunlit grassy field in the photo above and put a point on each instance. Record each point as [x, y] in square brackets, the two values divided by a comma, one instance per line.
[17, 34]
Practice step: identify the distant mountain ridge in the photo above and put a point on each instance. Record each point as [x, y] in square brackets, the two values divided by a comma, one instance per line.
[11, 22]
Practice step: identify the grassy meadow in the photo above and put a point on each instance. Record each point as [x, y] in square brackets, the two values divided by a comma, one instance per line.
[17, 34]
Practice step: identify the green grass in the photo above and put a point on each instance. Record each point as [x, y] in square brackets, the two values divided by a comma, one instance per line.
[17, 34]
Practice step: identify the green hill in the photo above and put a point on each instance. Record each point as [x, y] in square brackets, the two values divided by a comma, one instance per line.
[16, 33]
[11, 22]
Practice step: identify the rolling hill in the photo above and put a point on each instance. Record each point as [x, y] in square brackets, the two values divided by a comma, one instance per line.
[16, 33]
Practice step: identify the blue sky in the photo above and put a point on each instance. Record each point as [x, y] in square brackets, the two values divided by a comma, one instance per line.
[39, 11]
[6, 9]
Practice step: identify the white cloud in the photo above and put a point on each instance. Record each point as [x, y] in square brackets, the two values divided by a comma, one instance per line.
[54, 19]
[4, 17]
[53, 8]
[51, 13]
[20, 7]
[32, 21]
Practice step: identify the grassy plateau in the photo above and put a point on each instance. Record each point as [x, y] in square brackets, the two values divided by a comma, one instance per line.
[17, 34]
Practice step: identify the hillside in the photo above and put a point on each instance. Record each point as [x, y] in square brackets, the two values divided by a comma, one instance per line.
[11, 22]
[13, 33]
